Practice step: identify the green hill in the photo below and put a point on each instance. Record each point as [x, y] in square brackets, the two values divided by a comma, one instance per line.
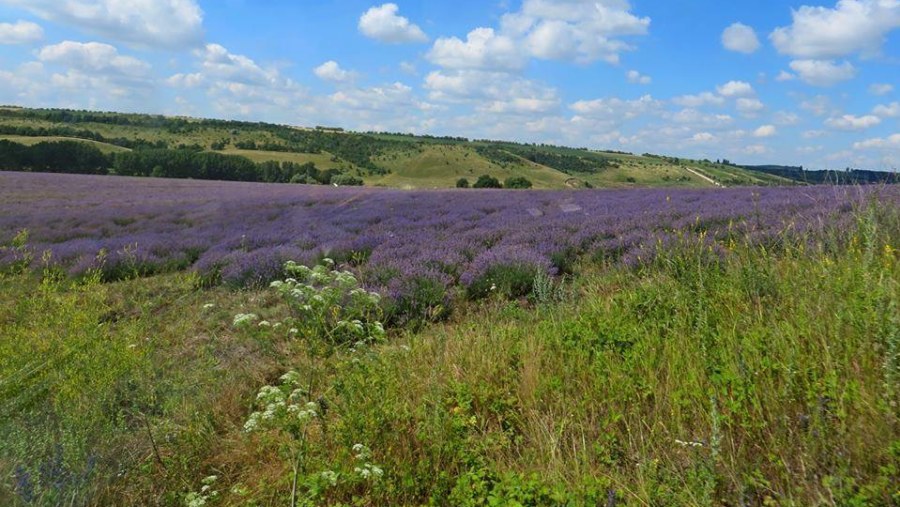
[378, 159]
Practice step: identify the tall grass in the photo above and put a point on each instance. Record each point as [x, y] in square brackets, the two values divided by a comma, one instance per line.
[748, 376]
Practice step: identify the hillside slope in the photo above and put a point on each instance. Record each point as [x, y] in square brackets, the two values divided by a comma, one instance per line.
[378, 159]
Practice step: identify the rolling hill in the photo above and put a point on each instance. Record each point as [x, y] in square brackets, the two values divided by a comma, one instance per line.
[377, 159]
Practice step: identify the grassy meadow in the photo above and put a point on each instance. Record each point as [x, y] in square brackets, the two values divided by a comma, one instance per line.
[766, 376]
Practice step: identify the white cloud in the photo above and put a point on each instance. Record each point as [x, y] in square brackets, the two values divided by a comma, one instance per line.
[20, 32]
[483, 49]
[891, 142]
[695, 118]
[703, 137]
[331, 71]
[820, 105]
[740, 38]
[891, 110]
[755, 149]
[823, 72]
[636, 77]
[494, 92]
[785, 76]
[169, 24]
[735, 89]
[94, 57]
[765, 131]
[384, 24]
[814, 134]
[577, 30]
[749, 107]
[852, 26]
[238, 86]
[701, 99]
[786, 118]
[851, 122]
[617, 108]
[880, 88]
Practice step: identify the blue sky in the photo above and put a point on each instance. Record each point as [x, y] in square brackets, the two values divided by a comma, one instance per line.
[812, 82]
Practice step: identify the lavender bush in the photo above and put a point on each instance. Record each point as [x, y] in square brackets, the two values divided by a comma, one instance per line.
[243, 233]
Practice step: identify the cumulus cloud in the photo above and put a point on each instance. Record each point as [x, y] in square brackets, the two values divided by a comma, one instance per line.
[703, 137]
[698, 100]
[740, 38]
[852, 26]
[491, 91]
[891, 110]
[785, 76]
[576, 30]
[890, 142]
[94, 57]
[238, 85]
[749, 107]
[483, 49]
[851, 122]
[635, 77]
[20, 32]
[765, 131]
[617, 108]
[880, 88]
[786, 118]
[735, 89]
[331, 71]
[823, 72]
[384, 24]
[169, 24]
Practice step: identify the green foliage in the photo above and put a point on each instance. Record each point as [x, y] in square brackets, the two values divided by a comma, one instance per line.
[462, 183]
[508, 280]
[328, 307]
[346, 180]
[487, 181]
[517, 182]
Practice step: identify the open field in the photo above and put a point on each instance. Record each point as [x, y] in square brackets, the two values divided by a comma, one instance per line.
[636, 347]
[321, 160]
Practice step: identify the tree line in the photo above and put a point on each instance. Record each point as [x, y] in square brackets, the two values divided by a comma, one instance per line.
[77, 157]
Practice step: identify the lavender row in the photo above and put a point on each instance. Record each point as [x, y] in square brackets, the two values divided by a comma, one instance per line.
[243, 232]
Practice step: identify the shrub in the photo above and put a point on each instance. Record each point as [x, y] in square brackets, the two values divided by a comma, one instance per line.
[462, 183]
[487, 181]
[329, 307]
[517, 182]
[346, 180]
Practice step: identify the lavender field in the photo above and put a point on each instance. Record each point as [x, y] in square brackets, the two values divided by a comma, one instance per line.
[240, 233]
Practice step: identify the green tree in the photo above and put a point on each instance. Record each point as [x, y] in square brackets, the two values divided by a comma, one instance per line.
[518, 182]
[487, 181]
[462, 183]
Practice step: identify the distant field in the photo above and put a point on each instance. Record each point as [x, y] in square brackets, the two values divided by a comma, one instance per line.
[30, 141]
[440, 166]
[322, 160]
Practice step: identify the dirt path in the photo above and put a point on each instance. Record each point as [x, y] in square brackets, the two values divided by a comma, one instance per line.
[704, 177]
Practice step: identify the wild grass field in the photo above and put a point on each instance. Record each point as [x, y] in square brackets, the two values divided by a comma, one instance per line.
[744, 350]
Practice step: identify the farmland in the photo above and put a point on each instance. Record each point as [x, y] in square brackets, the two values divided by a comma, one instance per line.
[671, 346]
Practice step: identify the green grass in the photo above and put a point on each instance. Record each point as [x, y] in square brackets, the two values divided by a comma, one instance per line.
[769, 378]
[440, 166]
[30, 141]
[322, 161]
